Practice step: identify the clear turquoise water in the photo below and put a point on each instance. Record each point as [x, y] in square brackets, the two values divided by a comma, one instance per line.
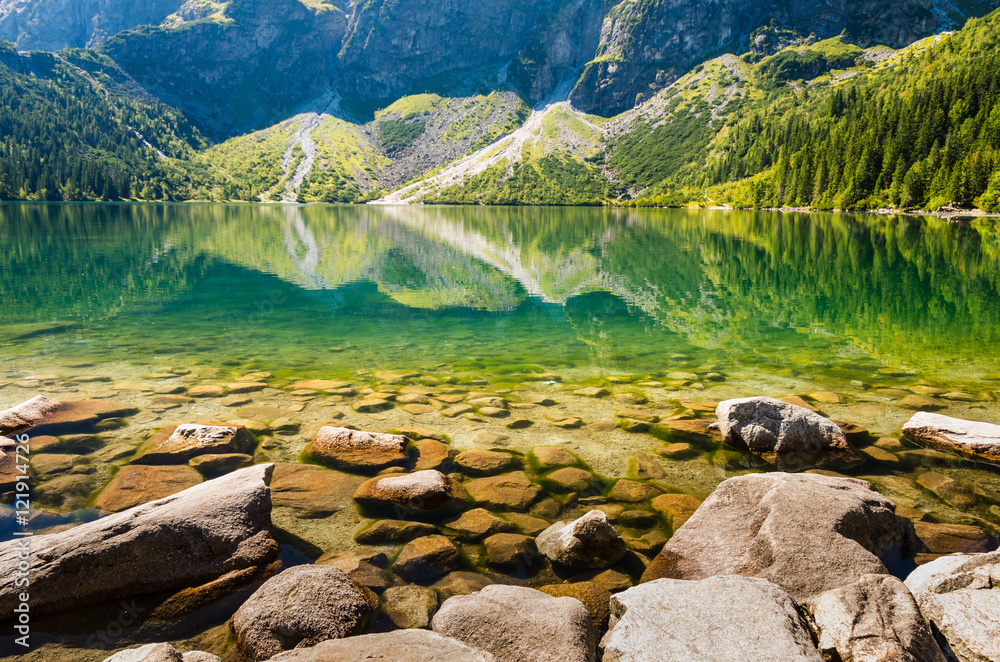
[494, 291]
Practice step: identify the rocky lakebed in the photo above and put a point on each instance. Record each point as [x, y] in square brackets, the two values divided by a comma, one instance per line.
[198, 514]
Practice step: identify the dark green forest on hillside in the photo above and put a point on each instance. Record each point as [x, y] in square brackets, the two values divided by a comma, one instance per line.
[920, 133]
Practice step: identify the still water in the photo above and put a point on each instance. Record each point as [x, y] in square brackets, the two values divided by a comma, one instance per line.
[589, 322]
[493, 291]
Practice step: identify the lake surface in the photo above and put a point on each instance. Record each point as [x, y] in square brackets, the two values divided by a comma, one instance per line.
[496, 291]
[667, 311]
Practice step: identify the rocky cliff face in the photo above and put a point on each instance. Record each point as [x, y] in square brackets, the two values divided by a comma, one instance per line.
[247, 63]
[647, 44]
[54, 24]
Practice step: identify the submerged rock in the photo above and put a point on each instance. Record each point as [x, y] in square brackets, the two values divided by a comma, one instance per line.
[971, 439]
[180, 443]
[720, 619]
[423, 491]
[312, 491]
[960, 595]
[410, 606]
[216, 529]
[398, 646]
[511, 491]
[426, 558]
[807, 533]
[875, 618]
[356, 450]
[134, 485]
[587, 543]
[300, 607]
[45, 416]
[766, 425]
[519, 623]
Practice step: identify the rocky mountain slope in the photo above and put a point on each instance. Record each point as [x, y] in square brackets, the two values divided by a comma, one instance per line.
[341, 100]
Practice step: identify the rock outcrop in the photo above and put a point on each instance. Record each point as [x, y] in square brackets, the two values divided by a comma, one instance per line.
[720, 619]
[766, 425]
[960, 595]
[518, 623]
[807, 533]
[298, 608]
[874, 618]
[974, 440]
[587, 543]
[221, 528]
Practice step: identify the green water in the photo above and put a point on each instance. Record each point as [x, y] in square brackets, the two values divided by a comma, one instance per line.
[667, 311]
[331, 290]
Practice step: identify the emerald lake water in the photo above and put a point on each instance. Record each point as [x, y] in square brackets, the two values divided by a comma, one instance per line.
[666, 311]
[493, 291]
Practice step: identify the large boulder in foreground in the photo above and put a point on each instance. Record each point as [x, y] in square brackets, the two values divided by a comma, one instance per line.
[519, 623]
[766, 425]
[356, 450]
[398, 646]
[161, 653]
[875, 618]
[974, 440]
[221, 528]
[720, 619]
[587, 543]
[807, 533]
[298, 608]
[960, 595]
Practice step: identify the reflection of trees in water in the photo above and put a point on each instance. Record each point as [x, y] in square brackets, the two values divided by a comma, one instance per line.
[739, 282]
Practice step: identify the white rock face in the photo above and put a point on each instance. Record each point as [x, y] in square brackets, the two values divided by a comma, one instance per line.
[766, 425]
[960, 595]
[589, 542]
[181, 541]
[519, 623]
[720, 619]
[971, 439]
[875, 618]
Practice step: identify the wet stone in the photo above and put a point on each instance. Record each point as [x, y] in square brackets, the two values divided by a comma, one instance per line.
[494, 412]
[550, 457]
[633, 426]
[506, 492]
[592, 392]
[509, 551]
[959, 396]
[491, 402]
[920, 403]
[677, 508]
[630, 491]
[568, 423]
[890, 444]
[952, 538]
[217, 465]
[409, 607]
[70, 491]
[520, 424]
[245, 387]
[207, 391]
[484, 463]
[477, 524]
[178, 444]
[426, 558]
[594, 597]
[357, 450]
[678, 451]
[929, 391]
[370, 405]
[571, 479]
[880, 456]
[431, 454]
[418, 410]
[528, 524]
[383, 532]
[637, 415]
[236, 401]
[456, 410]
[948, 490]
[631, 399]
[460, 582]
[646, 467]
[424, 491]
[138, 484]
[827, 398]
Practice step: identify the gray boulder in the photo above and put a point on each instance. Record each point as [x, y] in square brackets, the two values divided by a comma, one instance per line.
[398, 646]
[960, 595]
[974, 440]
[519, 623]
[587, 543]
[875, 618]
[807, 533]
[148, 653]
[766, 425]
[298, 608]
[221, 528]
[720, 619]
